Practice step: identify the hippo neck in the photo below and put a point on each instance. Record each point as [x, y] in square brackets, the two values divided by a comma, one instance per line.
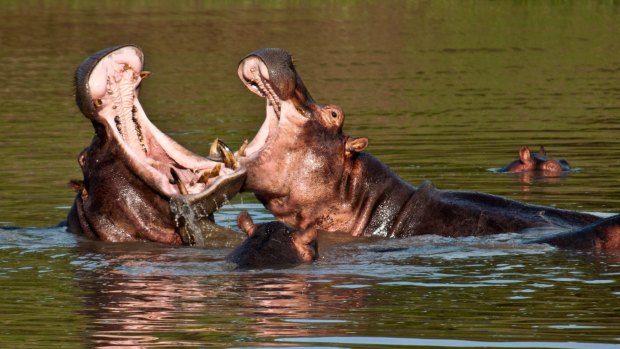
[385, 205]
[374, 193]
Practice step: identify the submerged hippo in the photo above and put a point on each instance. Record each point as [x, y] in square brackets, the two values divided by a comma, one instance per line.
[138, 183]
[273, 244]
[530, 161]
[278, 245]
[311, 175]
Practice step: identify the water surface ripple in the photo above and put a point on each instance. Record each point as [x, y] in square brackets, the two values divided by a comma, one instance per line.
[444, 90]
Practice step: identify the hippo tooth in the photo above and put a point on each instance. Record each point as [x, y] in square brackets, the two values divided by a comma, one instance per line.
[214, 147]
[178, 181]
[97, 103]
[214, 172]
[241, 151]
[145, 74]
[228, 157]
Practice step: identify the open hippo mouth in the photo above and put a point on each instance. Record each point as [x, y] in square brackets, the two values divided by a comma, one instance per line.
[296, 158]
[111, 80]
[270, 73]
[141, 158]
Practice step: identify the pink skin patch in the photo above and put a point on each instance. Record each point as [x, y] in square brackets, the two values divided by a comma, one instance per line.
[253, 72]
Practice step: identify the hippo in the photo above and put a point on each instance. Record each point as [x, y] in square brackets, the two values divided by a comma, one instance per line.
[311, 175]
[539, 162]
[278, 245]
[138, 183]
[272, 244]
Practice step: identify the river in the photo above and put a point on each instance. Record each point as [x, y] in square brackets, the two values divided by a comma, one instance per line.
[445, 91]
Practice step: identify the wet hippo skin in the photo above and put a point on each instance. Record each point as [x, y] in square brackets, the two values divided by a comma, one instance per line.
[134, 175]
[311, 175]
[272, 244]
[277, 245]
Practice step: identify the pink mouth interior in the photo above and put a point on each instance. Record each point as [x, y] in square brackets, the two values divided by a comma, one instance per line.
[150, 153]
[255, 75]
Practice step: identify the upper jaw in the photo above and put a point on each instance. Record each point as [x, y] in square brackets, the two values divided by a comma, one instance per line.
[254, 73]
[84, 97]
[107, 85]
[270, 73]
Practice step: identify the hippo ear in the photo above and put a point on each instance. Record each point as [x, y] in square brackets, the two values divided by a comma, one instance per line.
[356, 145]
[244, 221]
[542, 151]
[524, 154]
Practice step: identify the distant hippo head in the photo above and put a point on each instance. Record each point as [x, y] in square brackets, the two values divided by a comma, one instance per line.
[297, 136]
[132, 170]
[529, 161]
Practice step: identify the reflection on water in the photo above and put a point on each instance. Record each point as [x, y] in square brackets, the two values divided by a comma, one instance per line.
[425, 291]
[532, 179]
[444, 90]
[443, 343]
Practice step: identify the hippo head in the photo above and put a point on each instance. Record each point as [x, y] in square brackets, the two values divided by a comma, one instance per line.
[273, 245]
[300, 152]
[530, 161]
[132, 171]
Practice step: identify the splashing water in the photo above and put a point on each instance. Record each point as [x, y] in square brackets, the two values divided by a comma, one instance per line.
[197, 227]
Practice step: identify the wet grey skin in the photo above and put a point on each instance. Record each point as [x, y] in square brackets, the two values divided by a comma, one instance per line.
[311, 175]
[138, 183]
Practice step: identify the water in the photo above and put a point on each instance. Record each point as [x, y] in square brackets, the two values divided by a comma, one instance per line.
[444, 90]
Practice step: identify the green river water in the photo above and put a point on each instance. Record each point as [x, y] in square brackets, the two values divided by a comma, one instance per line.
[444, 90]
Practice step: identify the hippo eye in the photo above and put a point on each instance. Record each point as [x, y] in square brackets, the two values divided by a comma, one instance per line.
[334, 114]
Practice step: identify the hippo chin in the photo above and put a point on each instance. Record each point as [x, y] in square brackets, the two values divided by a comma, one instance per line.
[138, 183]
[311, 175]
[537, 162]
